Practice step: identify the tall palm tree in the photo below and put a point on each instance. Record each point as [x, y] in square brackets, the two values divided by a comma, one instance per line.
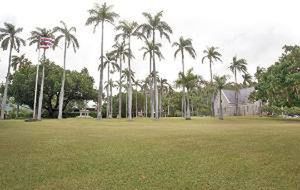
[220, 83]
[9, 39]
[155, 23]
[111, 64]
[69, 39]
[109, 86]
[151, 49]
[128, 30]
[190, 81]
[237, 65]
[100, 15]
[146, 89]
[35, 39]
[126, 75]
[137, 83]
[163, 86]
[184, 45]
[121, 52]
[212, 55]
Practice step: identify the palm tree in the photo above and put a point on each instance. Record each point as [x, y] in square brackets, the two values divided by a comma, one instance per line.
[121, 52]
[237, 65]
[154, 23]
[109, 86]
[9, 39]
[69, 39]
[190, 81]
[211, 54]
[163, 88]
[145, 88]
[100, 15]
[247, 79]
[110, 60]
[151, 49]
[128, 76]
[35, 39]
[184, 45]
[137, 83]
[19, 62]
[128, 30]
[220, 83]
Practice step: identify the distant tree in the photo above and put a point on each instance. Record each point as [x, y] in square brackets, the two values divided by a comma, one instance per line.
[237, 65]
[9, 40]
[151, 49]
[155, 23]
[184, 45]
[212, 55]
[100, 15]
[128, 30]
[220, 82]
[247, 79]
[69, 39]
[79, 86]
[189, 81]
[19, 62]
[121, 52]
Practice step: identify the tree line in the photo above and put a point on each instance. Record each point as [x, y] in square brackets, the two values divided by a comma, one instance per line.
[158, 89]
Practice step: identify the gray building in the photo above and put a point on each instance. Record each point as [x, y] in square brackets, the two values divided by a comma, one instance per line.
[245, 106]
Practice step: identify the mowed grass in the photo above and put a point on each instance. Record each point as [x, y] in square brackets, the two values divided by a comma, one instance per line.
[204, 153]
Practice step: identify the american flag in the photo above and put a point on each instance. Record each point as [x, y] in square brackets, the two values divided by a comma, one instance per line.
[46, 43]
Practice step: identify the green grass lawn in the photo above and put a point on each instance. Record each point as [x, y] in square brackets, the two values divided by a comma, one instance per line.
[204, 153]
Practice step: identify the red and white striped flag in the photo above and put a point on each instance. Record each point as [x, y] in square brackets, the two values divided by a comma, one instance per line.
[46, 43]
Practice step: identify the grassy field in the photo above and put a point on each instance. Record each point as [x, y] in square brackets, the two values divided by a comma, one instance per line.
[204, 153]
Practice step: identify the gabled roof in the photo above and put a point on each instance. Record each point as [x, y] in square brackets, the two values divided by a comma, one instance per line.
[243, 95]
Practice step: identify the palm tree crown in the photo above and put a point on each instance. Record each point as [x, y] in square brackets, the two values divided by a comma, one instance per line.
[66, 33]
[184, 45]
[155, 23]
[100, 14]
[212, 54]
[9, 36]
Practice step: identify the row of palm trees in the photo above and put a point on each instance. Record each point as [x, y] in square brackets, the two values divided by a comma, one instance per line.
[9, 39]
[153, 27]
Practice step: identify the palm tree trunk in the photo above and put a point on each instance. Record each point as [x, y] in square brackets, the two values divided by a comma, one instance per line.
[188, 112]
[160, 102]
[151, 89]
[126, 104]
[120, 90]
[213, 93]
[18, 110]
[183, 87]
[236, 94]
[62, 90]
[36, 86]
[99, 114]
[146, 104]
[111, 102]
[39, 116]
[107, 93]
[136, 106]
[130, 84]
[155, 81]
[4, 100]
[221, 108]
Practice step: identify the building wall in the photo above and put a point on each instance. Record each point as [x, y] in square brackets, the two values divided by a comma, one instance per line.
[229, 108]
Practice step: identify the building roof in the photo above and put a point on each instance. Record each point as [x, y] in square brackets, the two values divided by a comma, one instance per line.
[243, 95]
